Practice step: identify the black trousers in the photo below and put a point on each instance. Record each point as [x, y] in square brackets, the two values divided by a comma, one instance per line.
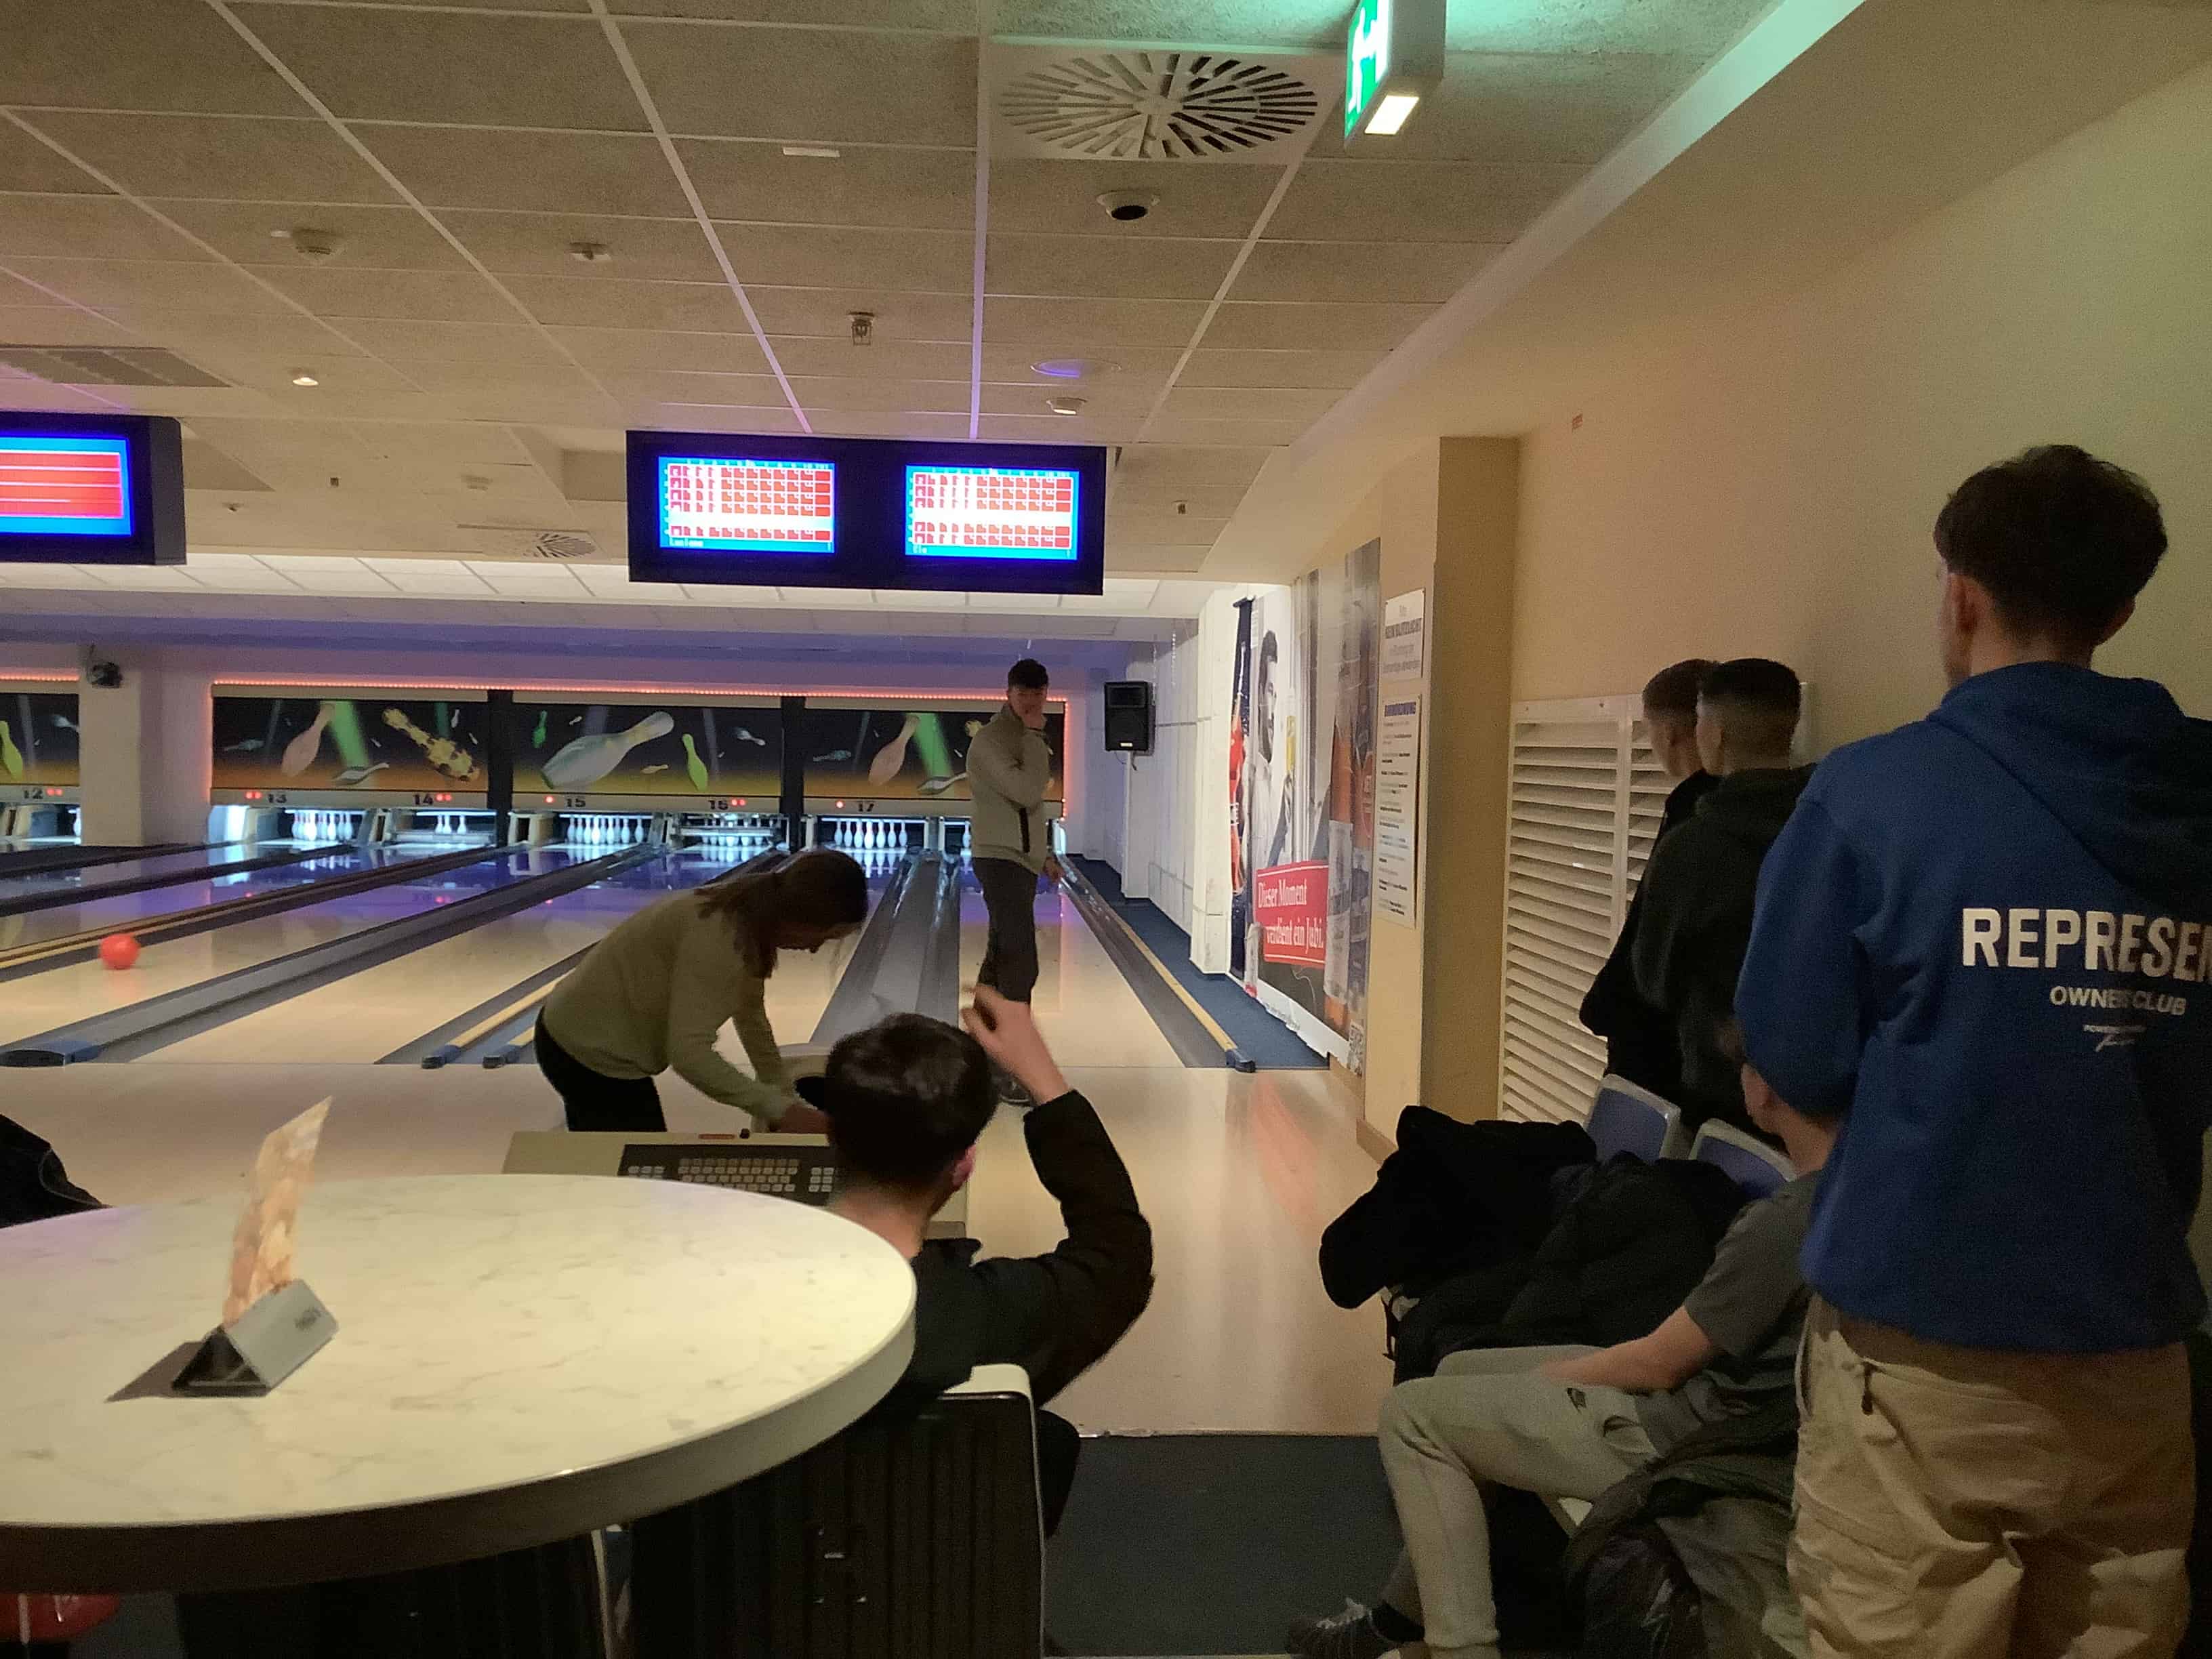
[1010, 959]
[593, 1100]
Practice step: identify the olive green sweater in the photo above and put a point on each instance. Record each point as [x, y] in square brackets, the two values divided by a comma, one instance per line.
[652, 996]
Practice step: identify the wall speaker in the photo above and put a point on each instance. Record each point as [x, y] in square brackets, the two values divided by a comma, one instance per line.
[1129, 717]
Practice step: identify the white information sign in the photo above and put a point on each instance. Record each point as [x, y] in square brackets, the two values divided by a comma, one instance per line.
[1397, 809]
[1405, 635]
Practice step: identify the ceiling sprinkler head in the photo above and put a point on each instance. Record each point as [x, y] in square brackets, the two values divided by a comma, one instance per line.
[590, 253]
[1127, 206]
[1067, 405]
[864, 327]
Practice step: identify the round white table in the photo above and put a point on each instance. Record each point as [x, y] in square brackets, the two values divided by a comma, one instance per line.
[518, 1359]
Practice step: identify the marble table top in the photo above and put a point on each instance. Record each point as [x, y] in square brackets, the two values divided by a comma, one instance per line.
[519, 1358]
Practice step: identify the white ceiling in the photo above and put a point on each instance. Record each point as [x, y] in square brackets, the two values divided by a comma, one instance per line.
[473, 373]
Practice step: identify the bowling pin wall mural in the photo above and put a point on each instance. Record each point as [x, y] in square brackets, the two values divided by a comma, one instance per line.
[37, 739]
[1303, 698]
[372, 744]
[721, 751]
[902, 754]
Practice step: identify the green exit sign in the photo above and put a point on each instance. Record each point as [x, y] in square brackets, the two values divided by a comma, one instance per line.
[1393, 54]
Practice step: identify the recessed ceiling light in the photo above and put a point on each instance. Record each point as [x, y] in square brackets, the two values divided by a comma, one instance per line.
[816, 152]
[300, 377]
[1067, 405]
[1072, 368]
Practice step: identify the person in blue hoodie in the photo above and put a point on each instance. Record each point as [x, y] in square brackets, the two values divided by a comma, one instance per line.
[1986, 939]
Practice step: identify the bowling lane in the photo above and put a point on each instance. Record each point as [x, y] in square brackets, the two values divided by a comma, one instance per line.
[1085, 1009]
[124, 911]
[179, 865]
[58, 996]
[365, 1016]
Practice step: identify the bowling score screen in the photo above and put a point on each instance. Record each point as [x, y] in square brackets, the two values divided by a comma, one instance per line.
[743, 505]
[990, 513]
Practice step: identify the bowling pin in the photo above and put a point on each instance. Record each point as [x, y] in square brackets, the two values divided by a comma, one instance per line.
[892, 755]
[300, 753]
[587, 760]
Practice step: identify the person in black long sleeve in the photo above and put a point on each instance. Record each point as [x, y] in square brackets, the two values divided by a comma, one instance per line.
[1640, 1041]
[906, 1100]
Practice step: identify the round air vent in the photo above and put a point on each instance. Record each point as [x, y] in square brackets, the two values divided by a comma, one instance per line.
[1129, 105]
[562, 544]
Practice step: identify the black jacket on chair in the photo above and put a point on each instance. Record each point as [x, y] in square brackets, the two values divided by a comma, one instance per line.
[1640, 1043]
[1454, 1196]
[33, 1186]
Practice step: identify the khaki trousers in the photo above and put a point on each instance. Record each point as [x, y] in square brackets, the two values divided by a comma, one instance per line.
[1961, 1503]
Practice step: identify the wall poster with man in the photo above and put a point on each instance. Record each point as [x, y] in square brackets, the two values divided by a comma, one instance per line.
[1302, 796]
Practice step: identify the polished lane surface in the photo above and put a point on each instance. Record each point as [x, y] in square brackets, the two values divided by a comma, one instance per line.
[60, 996]
[181, 866]
[123, 912]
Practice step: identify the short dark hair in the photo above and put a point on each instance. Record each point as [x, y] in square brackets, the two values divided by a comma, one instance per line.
[2062, 540]
[1029, 674]
[1758, 700]
[1674, 690]
[905, 1099]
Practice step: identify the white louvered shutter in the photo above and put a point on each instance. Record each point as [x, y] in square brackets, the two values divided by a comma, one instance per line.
[1587, 798]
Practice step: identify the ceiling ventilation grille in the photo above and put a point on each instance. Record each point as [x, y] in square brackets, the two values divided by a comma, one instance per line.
[106, 365]
[500, 541]
[1120, 104]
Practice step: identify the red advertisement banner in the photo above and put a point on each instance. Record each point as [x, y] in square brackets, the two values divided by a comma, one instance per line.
[1290, 901]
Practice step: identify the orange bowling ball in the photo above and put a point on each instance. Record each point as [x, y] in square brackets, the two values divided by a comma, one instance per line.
[119, 951]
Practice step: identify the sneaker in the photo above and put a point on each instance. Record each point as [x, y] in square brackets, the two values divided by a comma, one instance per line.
[1347, 1635]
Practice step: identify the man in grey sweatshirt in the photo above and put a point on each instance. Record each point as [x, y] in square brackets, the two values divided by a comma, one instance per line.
[1009, 769]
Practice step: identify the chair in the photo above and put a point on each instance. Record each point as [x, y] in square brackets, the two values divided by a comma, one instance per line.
[916, 1535]
[1751, 1162]
[1625, 1118]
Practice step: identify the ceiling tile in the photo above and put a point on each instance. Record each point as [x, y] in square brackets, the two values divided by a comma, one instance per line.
[551, 375]
[707, 417]
[1060, 327]
[821, 255]
[190, 331]
[532, 171]
[129, 54]
[1062, 197]
[341, 378]
[1216, 404]
[493, 401]
[1167, 528]
[1049, 428]
[1016, 365]
[486, 342]
[539, 244]
[26, 292]
[756, 183]
[27, 165]
[1159, 560]
[47, 324]
[826, 312]
[896, 360]
[638, 347]
[952, 16]
[1282, 327]
[861, 424]
[432, 296]
[1568, 107]
[88, 228]
[1116, 394]
[676, 386]
[1526, 26]
[1410, 272]
[1108, 267]
[363, 237]
[1338, 370]
[1365, 201]
[172, 285]
[439, 66]
[812, 85]
[817, 393]
[225, 158]
[1146, 466]
[601, 302]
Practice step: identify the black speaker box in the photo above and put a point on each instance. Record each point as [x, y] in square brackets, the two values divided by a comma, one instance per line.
[1129, 717]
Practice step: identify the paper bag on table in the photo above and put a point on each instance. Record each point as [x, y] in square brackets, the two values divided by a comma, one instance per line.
[261, 1248]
